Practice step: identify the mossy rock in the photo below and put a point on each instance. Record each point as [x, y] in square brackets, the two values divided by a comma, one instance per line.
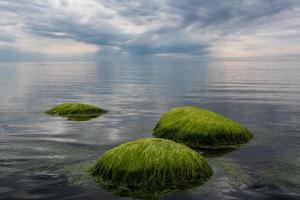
[200, 128]
[150, 165]
[76, 111]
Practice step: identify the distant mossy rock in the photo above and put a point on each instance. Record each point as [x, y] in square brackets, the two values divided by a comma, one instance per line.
[76, 111]
[200, 128]
[150, 165]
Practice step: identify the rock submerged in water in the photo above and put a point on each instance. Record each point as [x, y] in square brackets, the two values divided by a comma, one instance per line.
[150, 165]
[200, 128]
[76, 111]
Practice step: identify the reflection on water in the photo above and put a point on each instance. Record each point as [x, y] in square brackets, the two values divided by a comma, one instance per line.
[212, 153]
[40, 154]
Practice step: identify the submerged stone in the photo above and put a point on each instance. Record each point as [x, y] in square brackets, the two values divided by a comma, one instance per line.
[150, 165]
[76, 111]
[200, 128]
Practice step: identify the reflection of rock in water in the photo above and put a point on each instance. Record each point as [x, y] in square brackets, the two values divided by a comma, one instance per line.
[212, 153]
[81, 118]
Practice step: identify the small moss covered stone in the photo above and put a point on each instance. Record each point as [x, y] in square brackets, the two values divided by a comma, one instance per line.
[151, 164]
[200, 128]
[76, 111]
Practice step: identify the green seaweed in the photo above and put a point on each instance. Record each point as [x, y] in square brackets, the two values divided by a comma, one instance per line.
[150, 165]
[200, 128]
[283, 171]
[77, 173]
[231, 173]
[76, 111]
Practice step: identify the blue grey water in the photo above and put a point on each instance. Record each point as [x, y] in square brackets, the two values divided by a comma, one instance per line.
[44, 157]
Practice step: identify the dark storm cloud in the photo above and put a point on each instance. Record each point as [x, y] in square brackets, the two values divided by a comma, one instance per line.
[144, 27]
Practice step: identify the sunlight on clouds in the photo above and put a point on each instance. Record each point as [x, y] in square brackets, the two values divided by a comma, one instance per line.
[254, 46]
[277, 35]
[55, 46]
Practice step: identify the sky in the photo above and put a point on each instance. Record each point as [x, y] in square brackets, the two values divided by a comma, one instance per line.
[204, 29]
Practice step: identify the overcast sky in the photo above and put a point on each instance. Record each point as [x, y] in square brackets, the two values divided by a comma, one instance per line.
[31, 29]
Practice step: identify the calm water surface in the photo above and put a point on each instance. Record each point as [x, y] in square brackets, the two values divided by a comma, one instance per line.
[44, 157]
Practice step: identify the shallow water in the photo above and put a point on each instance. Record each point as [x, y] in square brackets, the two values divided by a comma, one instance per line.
[44, 157]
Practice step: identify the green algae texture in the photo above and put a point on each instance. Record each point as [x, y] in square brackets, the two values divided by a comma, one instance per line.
[76, 111]
[150, 165]
[200, 128]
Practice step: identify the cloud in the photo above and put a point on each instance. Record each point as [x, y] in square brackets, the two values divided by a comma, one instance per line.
[237, 28]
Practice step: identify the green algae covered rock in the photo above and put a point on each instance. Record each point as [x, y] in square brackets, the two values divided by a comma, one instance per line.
[76, 111]
[200, 128]
[151, 164]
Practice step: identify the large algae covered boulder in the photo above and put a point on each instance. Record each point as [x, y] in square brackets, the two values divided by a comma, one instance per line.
[151, 165]
[76, 111]
[200, 128]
